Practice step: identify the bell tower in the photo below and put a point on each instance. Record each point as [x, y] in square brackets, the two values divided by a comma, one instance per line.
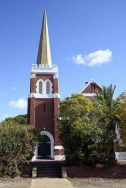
[43, 100]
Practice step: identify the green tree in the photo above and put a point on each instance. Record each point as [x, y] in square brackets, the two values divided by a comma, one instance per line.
[20, 119]
[17, 145]
[107, 119]
[79, 136]
[87, 127]
[121, 110]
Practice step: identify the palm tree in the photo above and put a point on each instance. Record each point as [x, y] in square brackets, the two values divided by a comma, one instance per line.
[106, 96]
[110, 116]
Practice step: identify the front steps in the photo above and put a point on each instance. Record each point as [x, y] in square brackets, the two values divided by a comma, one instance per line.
[47, 169]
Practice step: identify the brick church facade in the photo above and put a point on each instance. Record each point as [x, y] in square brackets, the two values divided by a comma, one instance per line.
[43, 101]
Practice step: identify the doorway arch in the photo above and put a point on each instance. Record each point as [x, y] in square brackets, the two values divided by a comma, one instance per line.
[46, 145]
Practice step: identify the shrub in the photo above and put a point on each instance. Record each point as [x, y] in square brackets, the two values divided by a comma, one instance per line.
[20, 119]
[87, 129]
[17, 145]
[77, 132]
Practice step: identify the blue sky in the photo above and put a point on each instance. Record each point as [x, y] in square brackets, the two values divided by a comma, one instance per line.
[83, 34]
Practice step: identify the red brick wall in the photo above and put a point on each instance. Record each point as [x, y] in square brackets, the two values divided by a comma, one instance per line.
[89, 89]
[55, 85]
[117, 171]
[32, 85]
[43, 113]
[31, 115]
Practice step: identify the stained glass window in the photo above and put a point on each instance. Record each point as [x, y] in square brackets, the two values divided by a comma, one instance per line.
[40, 87]
[47, 87]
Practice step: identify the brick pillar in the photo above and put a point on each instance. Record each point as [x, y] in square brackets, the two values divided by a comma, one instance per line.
[55, 86]
[32, 85]
[31, 112]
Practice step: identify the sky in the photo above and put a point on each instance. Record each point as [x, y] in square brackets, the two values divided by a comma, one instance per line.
[87, 37]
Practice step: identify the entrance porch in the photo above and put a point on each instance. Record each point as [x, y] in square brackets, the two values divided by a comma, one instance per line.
[46, 150]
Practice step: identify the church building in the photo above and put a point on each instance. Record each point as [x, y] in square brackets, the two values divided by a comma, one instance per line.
[43, 101]
[90, 89]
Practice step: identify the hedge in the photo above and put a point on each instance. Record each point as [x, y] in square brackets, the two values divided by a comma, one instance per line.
[17, 145]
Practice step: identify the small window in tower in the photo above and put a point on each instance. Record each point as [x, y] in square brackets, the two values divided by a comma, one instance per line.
[44, 107]
[47, 87]
[40, 87]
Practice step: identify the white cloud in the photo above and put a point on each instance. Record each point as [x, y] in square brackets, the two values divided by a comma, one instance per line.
[79, 59]
[96, 58]
[14, 88]
[20, 103]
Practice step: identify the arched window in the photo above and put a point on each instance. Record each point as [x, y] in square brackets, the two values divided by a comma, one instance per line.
[44, 88]
[40, 87]
[48, 87]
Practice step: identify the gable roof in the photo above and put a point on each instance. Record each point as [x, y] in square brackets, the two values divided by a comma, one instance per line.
[90, 82]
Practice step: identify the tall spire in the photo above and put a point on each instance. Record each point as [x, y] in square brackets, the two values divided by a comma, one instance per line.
[44, 53]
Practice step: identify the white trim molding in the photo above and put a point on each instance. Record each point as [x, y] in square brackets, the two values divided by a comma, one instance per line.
[58, 147]
[89, 94]
[33, 75]
[40, 96]
[55, 76]
[45, 69]
[120, 155]
[57, 95]
[60, 157]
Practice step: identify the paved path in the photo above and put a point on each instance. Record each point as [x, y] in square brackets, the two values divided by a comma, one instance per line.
[51, 183]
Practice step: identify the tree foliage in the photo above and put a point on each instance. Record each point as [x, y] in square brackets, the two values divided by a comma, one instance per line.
[121, 110]
[112, 109]
[20, 119]
[17, 145]
[88, 127]
[108, 119]
[79, 136]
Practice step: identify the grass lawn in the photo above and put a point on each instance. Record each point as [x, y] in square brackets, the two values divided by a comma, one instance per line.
[97, 183]
[15, 183]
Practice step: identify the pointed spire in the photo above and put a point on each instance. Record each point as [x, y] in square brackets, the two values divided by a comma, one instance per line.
[44, 53]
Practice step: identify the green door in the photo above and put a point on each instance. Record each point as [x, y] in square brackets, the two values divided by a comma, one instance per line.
[44, 147]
